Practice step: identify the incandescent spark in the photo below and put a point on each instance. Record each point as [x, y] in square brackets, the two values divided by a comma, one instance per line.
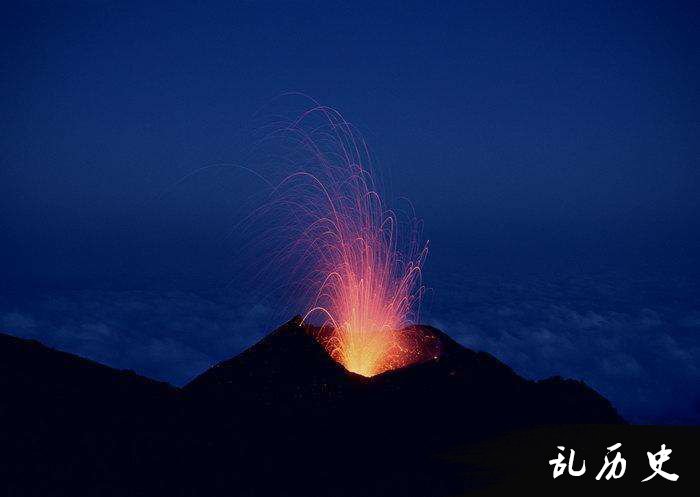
[357, 261]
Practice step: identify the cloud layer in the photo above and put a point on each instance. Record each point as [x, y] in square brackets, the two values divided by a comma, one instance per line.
[635, 341]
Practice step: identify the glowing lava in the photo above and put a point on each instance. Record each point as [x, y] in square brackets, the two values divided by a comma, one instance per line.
[369, 290]
[358, 261]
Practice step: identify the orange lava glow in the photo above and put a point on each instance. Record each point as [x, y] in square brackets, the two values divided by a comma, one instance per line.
[369, 291]
[369, 354]
[357, 261]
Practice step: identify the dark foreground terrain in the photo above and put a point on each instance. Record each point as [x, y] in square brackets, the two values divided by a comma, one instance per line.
[282, 418]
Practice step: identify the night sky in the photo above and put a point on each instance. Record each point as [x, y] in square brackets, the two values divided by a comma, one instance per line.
[552, 151]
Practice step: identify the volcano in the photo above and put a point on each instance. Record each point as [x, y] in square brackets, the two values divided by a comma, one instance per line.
[282, 418]
[291, 375]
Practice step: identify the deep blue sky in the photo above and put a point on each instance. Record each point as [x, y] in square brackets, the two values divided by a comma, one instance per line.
[552, 151]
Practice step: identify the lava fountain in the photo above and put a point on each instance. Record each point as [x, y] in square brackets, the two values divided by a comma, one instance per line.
[357, 261]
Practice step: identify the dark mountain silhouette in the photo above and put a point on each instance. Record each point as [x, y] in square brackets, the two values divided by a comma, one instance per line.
[281, 418]
[289, 375]
[70, 425]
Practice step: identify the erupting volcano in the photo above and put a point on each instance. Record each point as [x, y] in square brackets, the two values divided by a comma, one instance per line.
[357, 260]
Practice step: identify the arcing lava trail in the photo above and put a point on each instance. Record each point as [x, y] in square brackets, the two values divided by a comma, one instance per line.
[359, 262]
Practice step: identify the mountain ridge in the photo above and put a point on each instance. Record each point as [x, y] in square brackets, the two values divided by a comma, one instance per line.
[292, 356]
[256, 421]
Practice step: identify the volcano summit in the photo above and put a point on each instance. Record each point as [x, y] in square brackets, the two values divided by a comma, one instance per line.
[291, 373]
